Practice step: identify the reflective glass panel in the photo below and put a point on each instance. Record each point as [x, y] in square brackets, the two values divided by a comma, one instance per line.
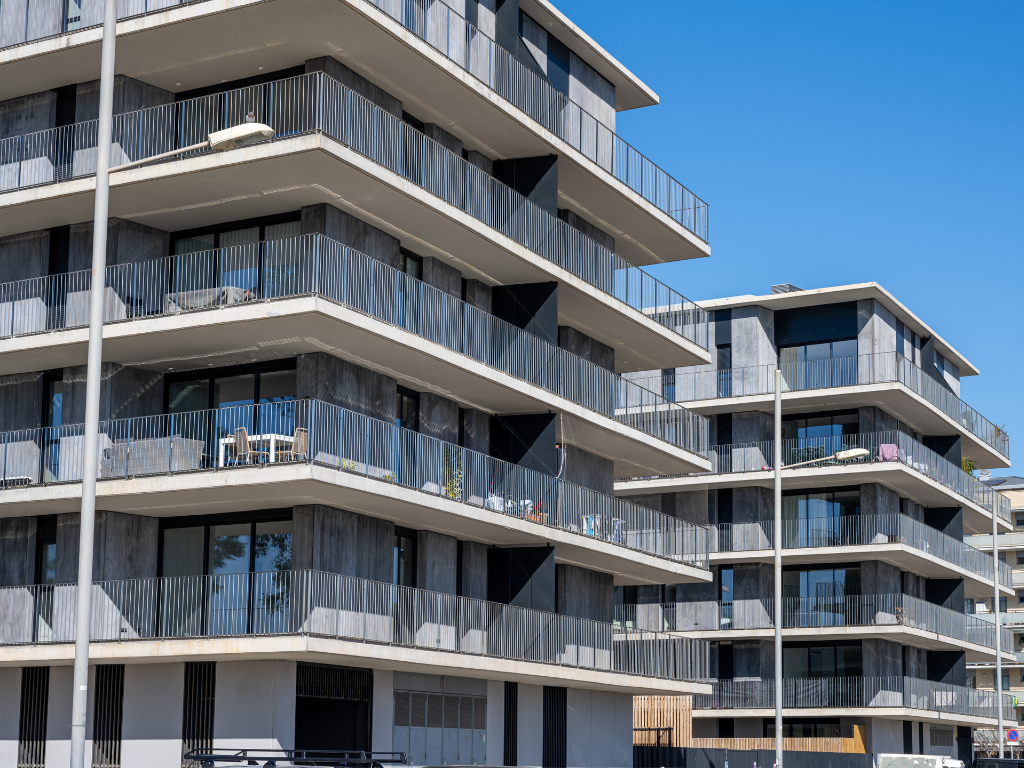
[185, 396]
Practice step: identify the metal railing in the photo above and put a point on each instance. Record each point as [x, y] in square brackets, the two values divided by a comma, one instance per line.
[890, 446]
[23, 21]
[331, 436]
[813, 612]
[856, 531]
[316, 103]
[316, 265]
[880, 368]
[304, 602]
[855, 692]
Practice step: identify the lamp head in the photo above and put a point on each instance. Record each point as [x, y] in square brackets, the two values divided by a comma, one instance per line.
[240, 136]
[852, 453]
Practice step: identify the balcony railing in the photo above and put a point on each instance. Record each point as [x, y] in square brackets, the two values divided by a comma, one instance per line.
[894, 610]
[857, 531]
[882, 447]
[855, 693]
[882, 368]
[461, 42]
[314, 603]
[316, 103]
[316, 265]
[315, 432]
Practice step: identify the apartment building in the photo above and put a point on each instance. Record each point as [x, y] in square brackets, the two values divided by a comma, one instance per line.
[1011, 551]
[363, 405]
[878, 568]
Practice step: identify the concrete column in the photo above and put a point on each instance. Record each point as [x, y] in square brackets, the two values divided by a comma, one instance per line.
[473, 570]
[753, 660]
[127, 242]
[692, 506]
[28, 114]
[531, 724]
[125, 546]
[878, 578]
[589, 349]
[584, 593]
[442, 276]
[339, 541]
[151, 723]
[23, 257]
[478, 295]
[877, 499]
[343, 227]
[752, 583]
[125, 393]
[588, 469]
[58, 717]
[752, 337]
[130, 95]
[873, 419]
[255, 705]
[481, 161]
[495, 722]
[436, 562]
[449, 141]
[21, 399]
[383, 714]
[881, 658]
[439, 417]
[17, 551]
[323, 376]
[357, 83]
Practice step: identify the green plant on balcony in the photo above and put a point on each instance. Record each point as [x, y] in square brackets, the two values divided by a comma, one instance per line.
[968, 465]
[1001, 433]
[453, 473]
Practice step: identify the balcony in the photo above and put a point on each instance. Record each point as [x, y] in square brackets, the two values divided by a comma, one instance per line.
[893, 538]
[757, 384]
[377, 35]
[315, 105]
[315, 604]
[879, 693]
[242, 278]
[310, 432]
[934, 625]
[885, 449]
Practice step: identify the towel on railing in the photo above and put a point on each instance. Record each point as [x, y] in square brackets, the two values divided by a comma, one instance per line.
[888, 452]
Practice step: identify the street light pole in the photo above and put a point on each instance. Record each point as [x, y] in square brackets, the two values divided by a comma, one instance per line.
[778, 568]
[995, 613]
[80, 695]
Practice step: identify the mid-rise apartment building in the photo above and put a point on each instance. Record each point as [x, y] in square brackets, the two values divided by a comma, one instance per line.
[363, 405]
[878, 569]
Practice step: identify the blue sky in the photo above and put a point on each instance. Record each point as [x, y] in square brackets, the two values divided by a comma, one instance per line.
[842, 142]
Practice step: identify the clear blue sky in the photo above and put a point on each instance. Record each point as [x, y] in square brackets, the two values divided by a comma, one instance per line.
[842, 142]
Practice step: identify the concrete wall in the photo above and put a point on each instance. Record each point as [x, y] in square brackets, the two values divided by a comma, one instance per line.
[10, 711]
[589, 349]
[877, 499]
[753, 337]
[339, 541]
[24, 256]
[495, 722]
[529, 741]
[473, 567]
[129, 96]
[588, 469]
[125, 546]
[876, 328]
[752, 504]
[439, 417]
[324, 219]
[885, 736]
[576, 221]
[151, 723]
[21, 401]
[591, 91]
[479, 295]
[584, 593]
[878, 578]
[752, 427]
[125, 393]
[881, 658]
[449, 141]
[127, 242]
[442, 276]
[17, 551]
[382, 718]
[915, 662]
[873, 419]
[599, 728]
[753, 660]
[357, 83]
[436, 562]
[28, 114]
[476, 430]
[255, 705]
[58, 717]
[323, 376]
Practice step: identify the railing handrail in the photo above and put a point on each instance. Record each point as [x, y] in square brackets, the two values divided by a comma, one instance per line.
[888, 609]
[875, 368]
[521, 87]
[289, 601]
[757, 456]
[348, 441]
[317, 265]
[334, 110]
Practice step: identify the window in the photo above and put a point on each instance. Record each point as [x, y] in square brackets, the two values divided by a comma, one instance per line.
[404, 573]
[822, 661]
[820, 518]
[723, 363]
[969, 606]
[1020, 521]
[821, 425]
[1002, 605]
[725, 595]
[408, 415]
[46, 574]
[1002, 557]
[803, 729]
[1020, 596]
[236, 233]
[411, 264]
[815, 366]
[821, 589]
[53, 418]
[1006, 682]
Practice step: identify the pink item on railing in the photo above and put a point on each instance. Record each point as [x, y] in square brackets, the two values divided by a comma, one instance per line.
[888, 452]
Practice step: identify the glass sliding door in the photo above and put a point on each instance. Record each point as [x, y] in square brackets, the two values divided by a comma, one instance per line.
[183, 594]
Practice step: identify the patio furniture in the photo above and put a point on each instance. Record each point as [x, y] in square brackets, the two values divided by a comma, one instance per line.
[242, 449]
[299, 447]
